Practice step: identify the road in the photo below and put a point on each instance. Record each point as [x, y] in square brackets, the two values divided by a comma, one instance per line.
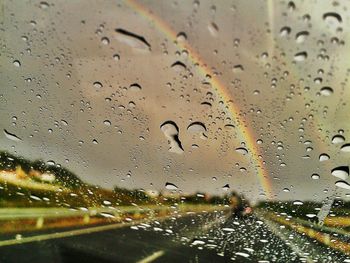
[206, 237]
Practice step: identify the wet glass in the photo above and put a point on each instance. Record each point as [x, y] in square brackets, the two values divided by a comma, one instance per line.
[174, 131]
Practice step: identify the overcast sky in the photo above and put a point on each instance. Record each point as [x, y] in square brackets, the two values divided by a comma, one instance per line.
[68, 97]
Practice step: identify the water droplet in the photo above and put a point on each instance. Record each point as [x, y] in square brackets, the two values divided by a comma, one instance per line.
[298, 202]
[17, 63]
[12, 136]
[44, 5]
[226, 187]
[237, 69]
[94, 141]
[133, 40]
[315, 176]
[338, 139]
[345, 148]
[324, 157]
[107, 122]
[229, 126]
[106, 202]
[332, 18]
[170, 186]
[206, 104]
[213, 29]
[107, 215]
[326, 91]
[342, 184]
[228, 229]
[181, 37]
[135, 87]
[242, 254]
[256, 92]
[242, 150]
[259, 141]
[311, 215]
[341, 172]
[105, 40]
[97, 85]
[300, 37]
[285, 31]
[291, 6]
[64, 122]
[171, 132]
[197, 127]
[196, 242]
[178, 66]
[116, 57]
[51, 162]
[300, 56]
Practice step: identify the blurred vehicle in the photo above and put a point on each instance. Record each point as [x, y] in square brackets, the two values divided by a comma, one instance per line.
[239, 206]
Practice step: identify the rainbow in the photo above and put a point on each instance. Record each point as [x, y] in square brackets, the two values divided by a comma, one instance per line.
[219, 89]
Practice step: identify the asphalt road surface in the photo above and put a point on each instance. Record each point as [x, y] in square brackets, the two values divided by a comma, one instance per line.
[208, 237]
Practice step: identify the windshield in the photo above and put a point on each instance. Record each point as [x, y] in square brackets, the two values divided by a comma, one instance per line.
[174, 131]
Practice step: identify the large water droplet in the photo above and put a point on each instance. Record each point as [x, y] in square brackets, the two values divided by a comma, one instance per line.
[343, 184]
[170, 186]
[315, 176]
[242, 150]
[181, 37]
[206, 104]
[300, 37]
[135, 87]
[17, 63]
[105, 40]
[171, 132]
[345, 148]
[97, 85]
[12, 136]
[341, 172]
[133, 40]
[285, 31]
[178, 66]
[300, 56]
[324, 157]
[196, 127]
[332, 18]
[338, 139]
[326, 91]
[107, 122]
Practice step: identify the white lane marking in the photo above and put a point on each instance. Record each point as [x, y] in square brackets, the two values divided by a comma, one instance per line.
[152, 257]
[79, 231]
[63, 234]
[294, 247]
